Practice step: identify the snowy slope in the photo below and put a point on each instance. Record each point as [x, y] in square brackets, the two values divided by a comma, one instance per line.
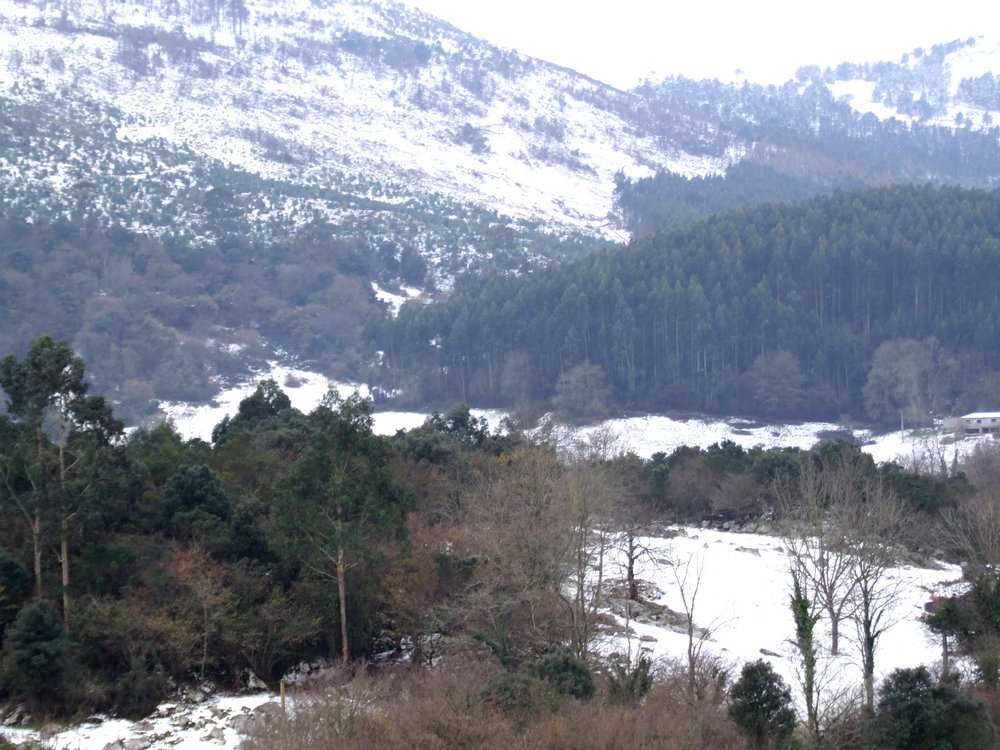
[300, 90]
[935, 78]
[743, 588]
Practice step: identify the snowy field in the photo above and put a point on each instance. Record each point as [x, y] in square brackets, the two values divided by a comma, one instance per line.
[642, 435]
[743, 585]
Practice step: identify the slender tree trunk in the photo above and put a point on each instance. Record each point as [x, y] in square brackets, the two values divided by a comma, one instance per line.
[345, 649]
[204, 639]
[868, 665]
[36, 543]
[64, 555]
[631, 554]
[64, 528]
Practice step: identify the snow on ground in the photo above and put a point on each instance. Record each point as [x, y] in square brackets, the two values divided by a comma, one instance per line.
[652, 433]
[643, 435]
[743, 588]
[305, 389]
[173, 726]
[394, 301]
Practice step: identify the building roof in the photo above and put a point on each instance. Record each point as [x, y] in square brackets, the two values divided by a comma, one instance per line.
[983, 415]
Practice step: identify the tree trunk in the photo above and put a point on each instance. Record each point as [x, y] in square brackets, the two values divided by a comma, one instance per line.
[345, 649]
[64, 560]
[631, 554]
[36, 543]
[868, 666]
[64, 528]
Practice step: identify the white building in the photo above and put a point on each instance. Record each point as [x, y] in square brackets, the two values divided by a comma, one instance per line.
[981, 422]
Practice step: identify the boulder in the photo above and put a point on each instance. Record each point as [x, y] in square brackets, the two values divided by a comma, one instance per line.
[217, 734]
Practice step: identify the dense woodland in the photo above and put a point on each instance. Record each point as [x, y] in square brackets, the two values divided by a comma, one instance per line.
[876, 304]
[132, 564]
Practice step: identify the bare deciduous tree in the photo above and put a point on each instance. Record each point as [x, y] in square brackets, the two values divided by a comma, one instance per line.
[521, 537]
[589, 495]
[878, 525]
[816, 545]
[843, 528]
[688, 576]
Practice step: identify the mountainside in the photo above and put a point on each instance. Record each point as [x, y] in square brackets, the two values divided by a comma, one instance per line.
[318, 93]
[303, 91]
[227, 180]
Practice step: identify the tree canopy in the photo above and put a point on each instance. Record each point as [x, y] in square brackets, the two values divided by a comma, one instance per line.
[716, 317]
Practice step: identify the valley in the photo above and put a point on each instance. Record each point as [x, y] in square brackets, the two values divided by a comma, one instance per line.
[645, 397]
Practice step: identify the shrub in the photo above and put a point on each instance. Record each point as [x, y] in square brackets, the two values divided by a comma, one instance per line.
[36, 650]
[761, 706]
[565, 673]
[139, 690]
[913, 713]
[628, 681]
[514, 693]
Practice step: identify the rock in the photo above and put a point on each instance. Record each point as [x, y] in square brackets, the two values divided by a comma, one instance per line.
[16, 717]
[218, 734]
[137, 743]
[48, 731]
[116, 745]
[264, 714]
[245, 723]
[195, 695]
[253, 683]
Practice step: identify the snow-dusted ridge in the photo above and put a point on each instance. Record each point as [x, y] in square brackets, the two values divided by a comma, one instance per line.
[347, 112]
[295, 89]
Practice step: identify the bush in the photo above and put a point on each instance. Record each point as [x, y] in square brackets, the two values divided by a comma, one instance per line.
[514, 693]
[913, 713]
[565, 673]
[36, 651]
[761, 706]
[139, 690]
[630, 681]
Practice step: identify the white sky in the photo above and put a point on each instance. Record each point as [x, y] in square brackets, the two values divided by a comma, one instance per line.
[623, 41]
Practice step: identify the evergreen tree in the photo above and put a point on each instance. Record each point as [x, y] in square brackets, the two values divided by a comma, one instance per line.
[36, 651]
[913, 713]
[761, 706]
[339, 498]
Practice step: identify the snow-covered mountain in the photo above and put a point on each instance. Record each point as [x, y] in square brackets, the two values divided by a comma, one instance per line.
[301, 91]
[311, 92]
